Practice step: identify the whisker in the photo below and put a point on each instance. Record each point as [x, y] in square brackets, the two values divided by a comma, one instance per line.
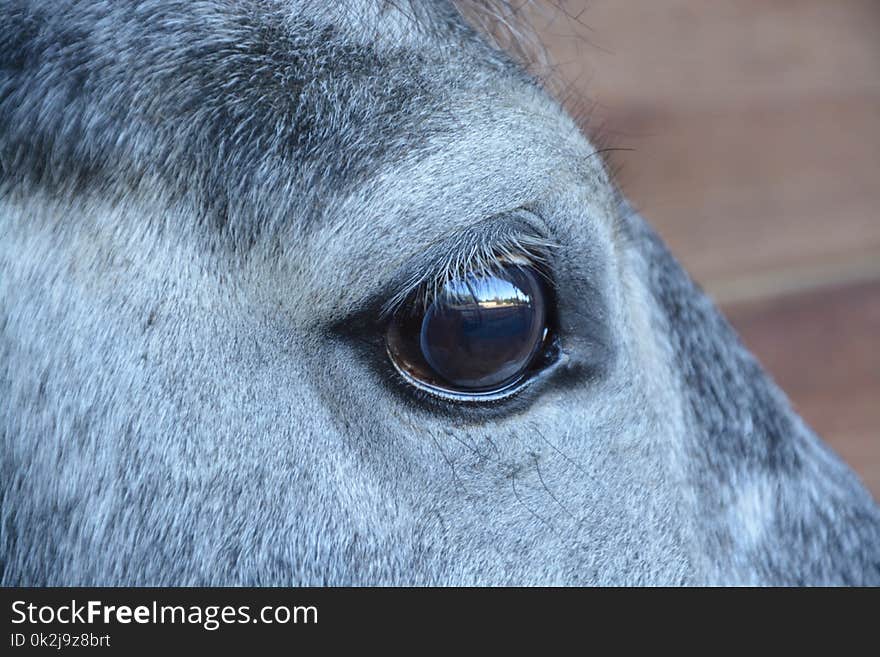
[463, 443]
[550, 493]
[449, 463]
[564, 455]
[527, 507]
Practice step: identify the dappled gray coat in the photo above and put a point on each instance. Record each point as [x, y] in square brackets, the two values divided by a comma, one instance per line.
[206, 207]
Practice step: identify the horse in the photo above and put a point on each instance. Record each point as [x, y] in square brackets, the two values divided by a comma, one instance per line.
[298, 293]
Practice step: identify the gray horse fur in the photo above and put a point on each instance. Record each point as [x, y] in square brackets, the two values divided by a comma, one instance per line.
[203, 203]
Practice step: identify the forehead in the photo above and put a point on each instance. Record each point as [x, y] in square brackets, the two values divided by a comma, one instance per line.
[217, 97]
[352, 133]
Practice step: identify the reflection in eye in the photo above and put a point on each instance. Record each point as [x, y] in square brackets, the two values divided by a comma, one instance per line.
[479, 334]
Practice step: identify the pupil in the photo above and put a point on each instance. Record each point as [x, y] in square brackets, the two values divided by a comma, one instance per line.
[483, 331]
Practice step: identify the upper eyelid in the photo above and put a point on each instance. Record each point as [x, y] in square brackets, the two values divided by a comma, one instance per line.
[517, 233]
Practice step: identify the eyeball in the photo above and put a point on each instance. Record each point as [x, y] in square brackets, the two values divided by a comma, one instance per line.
[478, 336]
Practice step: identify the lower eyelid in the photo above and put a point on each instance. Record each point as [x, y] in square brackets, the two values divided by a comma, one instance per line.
[558, 362]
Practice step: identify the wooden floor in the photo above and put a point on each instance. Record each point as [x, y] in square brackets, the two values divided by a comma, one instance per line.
[755, 126]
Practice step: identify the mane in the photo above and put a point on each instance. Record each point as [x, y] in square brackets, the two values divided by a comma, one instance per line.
[510, 27]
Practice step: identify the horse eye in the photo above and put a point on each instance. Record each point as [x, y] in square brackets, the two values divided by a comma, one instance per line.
[480, 335]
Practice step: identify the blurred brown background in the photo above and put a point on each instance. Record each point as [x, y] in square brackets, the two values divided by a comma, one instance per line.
[755, 126]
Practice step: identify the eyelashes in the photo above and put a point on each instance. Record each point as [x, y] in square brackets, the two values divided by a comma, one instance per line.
[485, 254]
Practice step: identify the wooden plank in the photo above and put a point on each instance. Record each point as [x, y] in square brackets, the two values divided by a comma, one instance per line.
[822, 349]
[760, 190]
[755, 124]
[693, 54]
